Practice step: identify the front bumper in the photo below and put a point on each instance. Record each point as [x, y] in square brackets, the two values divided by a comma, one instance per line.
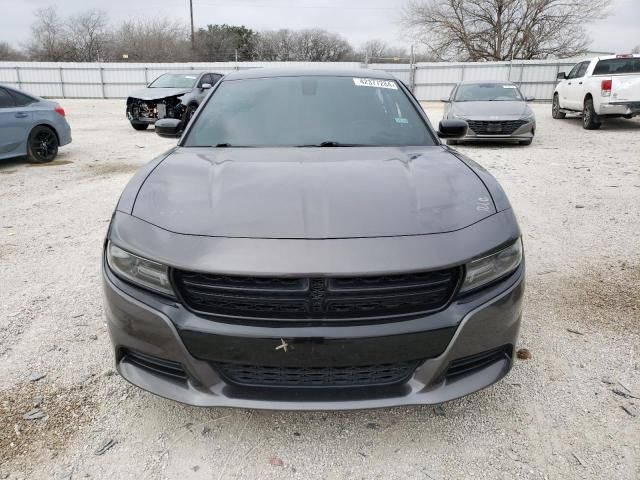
[524, 132]
[141, 322]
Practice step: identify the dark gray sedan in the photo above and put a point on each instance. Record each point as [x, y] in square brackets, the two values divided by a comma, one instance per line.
[494, 111]
[311, 244]
[31, 126]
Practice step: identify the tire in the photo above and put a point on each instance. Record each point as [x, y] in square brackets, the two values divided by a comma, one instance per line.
[188, 113]
[555, 108]
[139, 126]
[589, 117]
[42, 145]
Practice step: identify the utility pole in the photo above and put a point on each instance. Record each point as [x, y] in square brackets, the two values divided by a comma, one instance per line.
[191, 14]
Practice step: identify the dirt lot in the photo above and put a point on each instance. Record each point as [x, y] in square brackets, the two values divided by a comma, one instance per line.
[571, 411]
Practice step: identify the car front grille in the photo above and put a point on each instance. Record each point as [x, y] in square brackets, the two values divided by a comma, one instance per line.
[303, 298]
[473, 363]
[481, 127]
[310, 377]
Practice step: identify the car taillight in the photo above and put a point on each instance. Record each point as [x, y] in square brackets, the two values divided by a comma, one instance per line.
[59, 110]
[605, 88]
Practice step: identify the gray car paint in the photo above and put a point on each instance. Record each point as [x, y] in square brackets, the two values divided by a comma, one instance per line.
[441, 210]
[16, 124]
[504, 110]
[310, 192]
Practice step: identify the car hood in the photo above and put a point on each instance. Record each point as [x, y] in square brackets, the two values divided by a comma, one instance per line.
[491, 110]
[312, 193]
[156, 93]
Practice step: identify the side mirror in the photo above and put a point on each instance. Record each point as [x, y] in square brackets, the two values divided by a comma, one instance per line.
[452, 128]
[205, 86]
[444, 99]
[529, 99]
[169, 127]
[561, 76]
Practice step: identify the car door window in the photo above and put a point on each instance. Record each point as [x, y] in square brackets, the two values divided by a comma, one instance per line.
[582, 70]
[215, 78]
[6, 100]
[20, 99]
[574, 71]
[206, 78]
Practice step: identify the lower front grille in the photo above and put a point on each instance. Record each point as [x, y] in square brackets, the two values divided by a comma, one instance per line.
[310, 377]
[507, 127]
[155, 364]
[466, 365]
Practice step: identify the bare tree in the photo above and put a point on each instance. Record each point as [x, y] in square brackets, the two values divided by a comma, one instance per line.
[88, 35]
[503, 29]
[636, 49]
[312, 45]
[9, 53]
[151, 40]
[48, 37]
[374, 48]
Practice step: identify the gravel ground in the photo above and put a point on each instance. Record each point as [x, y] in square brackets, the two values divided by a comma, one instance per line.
[570, 411]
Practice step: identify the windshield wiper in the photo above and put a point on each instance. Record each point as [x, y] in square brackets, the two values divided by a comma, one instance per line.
[331, 143]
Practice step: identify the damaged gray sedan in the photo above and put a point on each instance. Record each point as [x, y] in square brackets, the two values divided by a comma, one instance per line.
[172, 95]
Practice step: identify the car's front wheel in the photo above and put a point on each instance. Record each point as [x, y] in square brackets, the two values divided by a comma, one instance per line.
[139, 126]
[42, 146]
[188, 113]
[555, 108]
[590, 120]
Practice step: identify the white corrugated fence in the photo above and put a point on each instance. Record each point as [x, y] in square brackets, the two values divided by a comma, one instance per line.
[429, 81]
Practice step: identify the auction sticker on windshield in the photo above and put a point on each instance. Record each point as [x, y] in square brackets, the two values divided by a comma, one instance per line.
[375, 82]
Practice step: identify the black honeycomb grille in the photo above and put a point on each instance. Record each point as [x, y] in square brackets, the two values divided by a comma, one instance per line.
[309, 377]
[481, 127]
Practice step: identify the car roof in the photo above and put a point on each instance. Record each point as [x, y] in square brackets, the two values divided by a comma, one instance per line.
[191, 72]
[14, 89]
[307, 72]
[484, 82]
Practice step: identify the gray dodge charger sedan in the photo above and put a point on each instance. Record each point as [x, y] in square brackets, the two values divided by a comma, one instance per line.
[311, 244]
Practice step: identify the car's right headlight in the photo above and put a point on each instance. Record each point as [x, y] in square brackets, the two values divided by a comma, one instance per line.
[485, 270]
[138, 270]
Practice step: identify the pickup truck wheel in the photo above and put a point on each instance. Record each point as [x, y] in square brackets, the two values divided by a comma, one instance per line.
[140, 126]
[589, 117]
[555, 108]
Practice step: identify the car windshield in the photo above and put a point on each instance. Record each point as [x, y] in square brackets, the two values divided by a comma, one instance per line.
[308, 111]
[487, 92]
[174, 80]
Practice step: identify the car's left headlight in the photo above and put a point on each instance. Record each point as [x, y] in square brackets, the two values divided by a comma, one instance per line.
[529, 118]
[138, 270]
[488, 269]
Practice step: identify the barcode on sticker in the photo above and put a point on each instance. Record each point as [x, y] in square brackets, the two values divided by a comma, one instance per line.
[375, 82]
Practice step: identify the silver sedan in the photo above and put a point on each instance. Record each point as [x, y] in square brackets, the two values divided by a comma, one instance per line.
[493, 110]
[31, 126]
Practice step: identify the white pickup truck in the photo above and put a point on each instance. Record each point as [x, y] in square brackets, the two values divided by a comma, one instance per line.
[599, 88]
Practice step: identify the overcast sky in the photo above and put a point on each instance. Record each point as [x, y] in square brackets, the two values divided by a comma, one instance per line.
[357, 20]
